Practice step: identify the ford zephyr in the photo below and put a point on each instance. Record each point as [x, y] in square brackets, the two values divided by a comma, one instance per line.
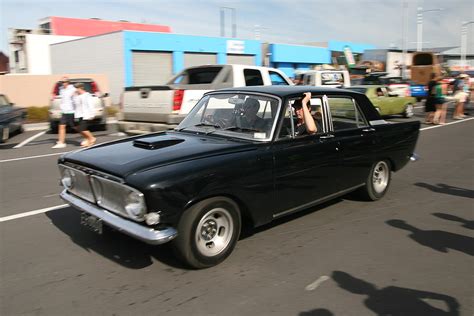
[200, 184]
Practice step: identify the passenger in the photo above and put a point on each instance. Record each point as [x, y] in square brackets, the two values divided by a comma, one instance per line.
[249, 118]
[305, 124]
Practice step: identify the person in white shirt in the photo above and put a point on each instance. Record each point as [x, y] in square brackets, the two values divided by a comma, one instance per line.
[67, 93]
[84, 112]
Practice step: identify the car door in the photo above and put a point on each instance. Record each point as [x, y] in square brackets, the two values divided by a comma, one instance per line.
[355, 140]
[305, 167]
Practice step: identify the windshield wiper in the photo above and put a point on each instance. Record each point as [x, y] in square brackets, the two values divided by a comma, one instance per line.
[243, 129]
[201, 125]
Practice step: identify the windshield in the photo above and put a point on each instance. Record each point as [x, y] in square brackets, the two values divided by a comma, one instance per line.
[240, 115]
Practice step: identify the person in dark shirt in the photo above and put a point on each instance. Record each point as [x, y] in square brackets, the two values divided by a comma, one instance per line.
[249, 118]
[430, 104]
[305, 122]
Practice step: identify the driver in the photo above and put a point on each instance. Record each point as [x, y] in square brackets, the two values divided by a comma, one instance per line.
[305, 124]
[249, 118]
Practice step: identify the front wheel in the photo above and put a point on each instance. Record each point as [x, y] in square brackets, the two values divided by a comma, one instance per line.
[377, 182]
[208, 232]
[409, 110]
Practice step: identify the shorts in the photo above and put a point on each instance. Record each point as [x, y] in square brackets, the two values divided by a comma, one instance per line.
[82, 125]
[68, 120]
[460, 96]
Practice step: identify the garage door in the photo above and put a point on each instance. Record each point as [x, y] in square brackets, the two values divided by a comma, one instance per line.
[152, 68]
[241, 59]
[198, 59]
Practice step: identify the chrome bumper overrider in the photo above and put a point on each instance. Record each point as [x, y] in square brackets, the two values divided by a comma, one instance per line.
[414, 157]
[140, 232]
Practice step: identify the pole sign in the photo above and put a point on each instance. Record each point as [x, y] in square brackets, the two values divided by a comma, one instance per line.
[235, 47]
[349, 56]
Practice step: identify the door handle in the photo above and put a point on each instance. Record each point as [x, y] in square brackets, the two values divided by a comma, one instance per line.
[368, 130]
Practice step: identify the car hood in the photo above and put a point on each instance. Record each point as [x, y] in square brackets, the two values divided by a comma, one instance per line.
[124, 157]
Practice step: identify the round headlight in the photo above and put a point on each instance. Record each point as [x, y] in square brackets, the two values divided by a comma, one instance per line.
[68, 179]
[135, 205]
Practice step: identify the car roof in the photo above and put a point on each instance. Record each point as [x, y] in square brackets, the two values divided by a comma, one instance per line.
[285, 91]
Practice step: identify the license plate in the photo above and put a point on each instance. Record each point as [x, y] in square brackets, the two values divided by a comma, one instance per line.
[91, 222]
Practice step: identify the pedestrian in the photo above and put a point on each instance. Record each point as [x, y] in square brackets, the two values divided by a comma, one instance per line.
[430, 104]
[461, 92]
[83, 114]
[67, 93]
[440, 103]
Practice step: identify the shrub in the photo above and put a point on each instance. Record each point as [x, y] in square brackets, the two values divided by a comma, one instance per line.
[36, 114]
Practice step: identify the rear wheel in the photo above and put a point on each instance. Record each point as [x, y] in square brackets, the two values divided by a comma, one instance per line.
[409, 110]
[208, 232]
[377, 182]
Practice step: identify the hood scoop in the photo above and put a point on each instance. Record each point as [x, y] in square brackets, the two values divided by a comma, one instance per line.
[156, 142]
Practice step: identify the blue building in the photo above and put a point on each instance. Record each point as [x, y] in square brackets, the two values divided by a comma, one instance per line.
[133, 58]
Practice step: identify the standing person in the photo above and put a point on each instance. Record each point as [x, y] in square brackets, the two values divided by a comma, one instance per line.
[430, 104]
[67, 93]
[440, 102]
[84, 112]
[460, 89]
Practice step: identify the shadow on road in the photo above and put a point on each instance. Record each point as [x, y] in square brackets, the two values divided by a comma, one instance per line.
[466, 223]
[436, 239]
[113, 245]
[393, 300]
[447, 189]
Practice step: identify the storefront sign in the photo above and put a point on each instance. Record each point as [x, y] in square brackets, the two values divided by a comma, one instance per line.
[235, 47]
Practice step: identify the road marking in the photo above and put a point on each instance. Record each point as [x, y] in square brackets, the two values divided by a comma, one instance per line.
[43, 210]
[32, 157]
[313, 286]
[450, 123]
[26, 141]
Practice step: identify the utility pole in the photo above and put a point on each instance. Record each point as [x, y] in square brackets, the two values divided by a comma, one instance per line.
[234, 21]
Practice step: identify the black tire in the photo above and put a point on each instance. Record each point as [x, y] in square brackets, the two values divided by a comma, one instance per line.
[200, 250]
[409, 111]
[101, 127]
[376, 184]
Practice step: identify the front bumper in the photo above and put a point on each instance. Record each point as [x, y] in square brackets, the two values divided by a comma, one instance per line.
[149, 235]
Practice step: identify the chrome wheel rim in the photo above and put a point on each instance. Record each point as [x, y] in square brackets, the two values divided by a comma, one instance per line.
[214, 232]
[409, 110]
[380, 176]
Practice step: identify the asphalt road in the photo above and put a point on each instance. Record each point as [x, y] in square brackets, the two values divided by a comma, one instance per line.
[411, 251]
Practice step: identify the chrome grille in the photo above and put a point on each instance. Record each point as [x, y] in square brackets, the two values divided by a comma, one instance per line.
[81, 186]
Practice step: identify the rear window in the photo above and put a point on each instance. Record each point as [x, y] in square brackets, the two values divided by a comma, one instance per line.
[197, 76]
[360, 90]
[87, 86]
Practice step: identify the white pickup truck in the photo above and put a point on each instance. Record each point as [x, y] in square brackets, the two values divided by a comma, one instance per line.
[155, 108]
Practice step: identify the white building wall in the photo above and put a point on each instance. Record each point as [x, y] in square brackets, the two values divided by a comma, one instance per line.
[101, 54]
[38, 55]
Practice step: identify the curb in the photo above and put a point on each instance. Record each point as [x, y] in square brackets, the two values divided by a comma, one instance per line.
[45, 125]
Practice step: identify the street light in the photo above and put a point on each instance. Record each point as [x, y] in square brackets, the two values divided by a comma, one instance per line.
[464, 42]
[419, 26]
[234, 23]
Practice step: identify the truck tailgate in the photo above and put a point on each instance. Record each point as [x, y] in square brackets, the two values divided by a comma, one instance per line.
[147, 104]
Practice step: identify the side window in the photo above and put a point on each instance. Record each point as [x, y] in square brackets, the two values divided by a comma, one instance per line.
[277, 79]
[3, 101]
[316, 110]
[345, 114]
[253, 77]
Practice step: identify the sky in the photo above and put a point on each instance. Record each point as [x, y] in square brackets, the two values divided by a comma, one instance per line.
[376, 22]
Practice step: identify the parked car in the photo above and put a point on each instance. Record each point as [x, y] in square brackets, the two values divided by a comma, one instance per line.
[385, 102]
[418, 91]
[198, 185]
[152, 108]
[11, 118]
[100, 118]
[327, 78]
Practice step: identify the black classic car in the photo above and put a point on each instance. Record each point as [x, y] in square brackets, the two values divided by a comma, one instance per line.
[11, 118]
[198, 185]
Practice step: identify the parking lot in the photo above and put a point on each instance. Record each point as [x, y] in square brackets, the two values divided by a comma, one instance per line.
[412, 250]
